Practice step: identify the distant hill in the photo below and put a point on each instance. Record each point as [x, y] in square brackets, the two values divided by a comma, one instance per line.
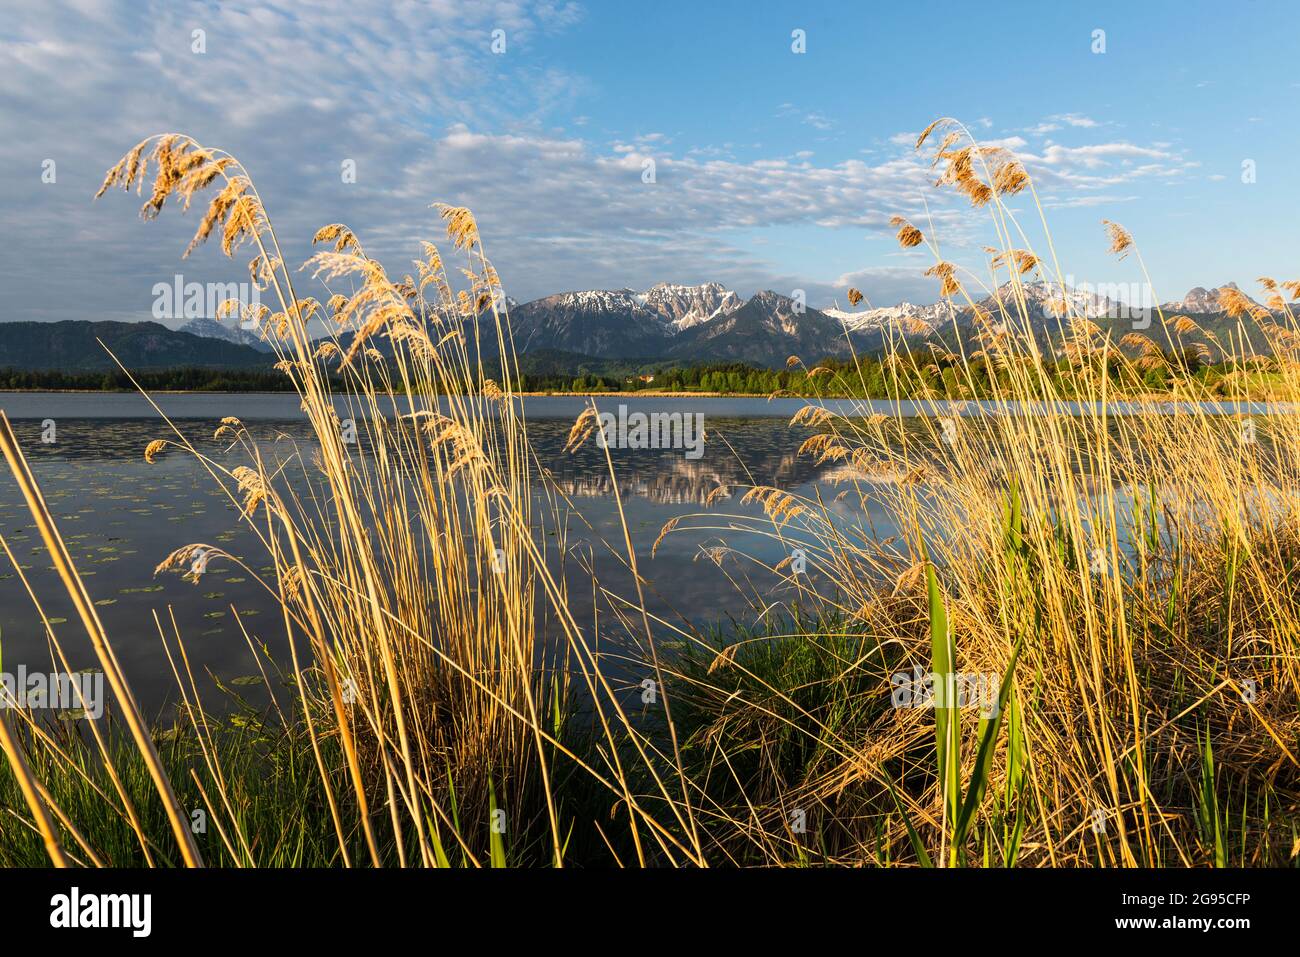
[765, 331]
[1045, 305]
[622, 332]
[74, 345]
[229, 331]
[685, 324]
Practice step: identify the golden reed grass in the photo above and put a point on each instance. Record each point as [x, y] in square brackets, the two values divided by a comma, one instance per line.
[1138, 562]
[1148, 585]
[421, 613]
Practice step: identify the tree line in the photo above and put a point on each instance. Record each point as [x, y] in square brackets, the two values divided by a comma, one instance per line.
[870, 377]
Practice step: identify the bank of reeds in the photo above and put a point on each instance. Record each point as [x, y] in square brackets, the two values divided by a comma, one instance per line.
[1121, 584]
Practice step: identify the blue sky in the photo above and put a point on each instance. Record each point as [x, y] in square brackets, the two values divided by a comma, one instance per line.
[773, 169]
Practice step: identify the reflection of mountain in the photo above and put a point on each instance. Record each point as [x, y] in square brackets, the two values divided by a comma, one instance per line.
[738, 453]
[845, 472]
[657, 487]
[677, 480]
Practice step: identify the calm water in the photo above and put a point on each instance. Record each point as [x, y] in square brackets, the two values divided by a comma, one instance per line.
[283, 407]
[121, 517]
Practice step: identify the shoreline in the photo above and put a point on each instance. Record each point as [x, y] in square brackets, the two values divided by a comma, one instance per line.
[648, 393]
[653, 394]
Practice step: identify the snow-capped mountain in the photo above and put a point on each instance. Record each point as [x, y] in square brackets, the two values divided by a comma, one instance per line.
[904, 317]
[681, 307]
[701, 322]
[592, 301]
[228, 331]
[1041, 299]
[675, 307]
[1200, 300]
[1051, 299]
[766, 329]
[596, 322]
[709, 323]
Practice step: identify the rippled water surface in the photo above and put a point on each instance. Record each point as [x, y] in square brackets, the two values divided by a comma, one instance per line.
[121, 517]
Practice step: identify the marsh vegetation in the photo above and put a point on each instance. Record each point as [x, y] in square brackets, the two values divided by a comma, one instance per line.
[1127, 580]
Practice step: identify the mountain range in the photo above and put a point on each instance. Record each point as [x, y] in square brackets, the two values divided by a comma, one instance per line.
[83, 346]
[667, 323]
[711, 323]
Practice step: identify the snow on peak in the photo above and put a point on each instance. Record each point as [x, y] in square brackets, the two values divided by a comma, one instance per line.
[681, 307]
[1201, 300]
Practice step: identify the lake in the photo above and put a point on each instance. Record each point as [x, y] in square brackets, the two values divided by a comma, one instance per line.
[121, 516]
[284, 407]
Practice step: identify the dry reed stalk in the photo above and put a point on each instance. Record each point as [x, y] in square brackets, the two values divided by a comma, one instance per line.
[365, 597]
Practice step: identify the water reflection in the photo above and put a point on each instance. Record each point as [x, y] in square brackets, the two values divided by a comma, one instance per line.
[121, 516]
[738, 452]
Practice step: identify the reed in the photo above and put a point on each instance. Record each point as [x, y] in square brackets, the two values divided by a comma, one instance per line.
[1123, 580]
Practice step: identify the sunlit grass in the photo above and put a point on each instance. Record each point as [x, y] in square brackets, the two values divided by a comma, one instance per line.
[1126, 581]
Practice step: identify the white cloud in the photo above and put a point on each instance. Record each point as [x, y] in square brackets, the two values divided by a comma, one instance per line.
[883, 286]
[1082, 202]
[811, 118]
[428, 112]
[1059, 121]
